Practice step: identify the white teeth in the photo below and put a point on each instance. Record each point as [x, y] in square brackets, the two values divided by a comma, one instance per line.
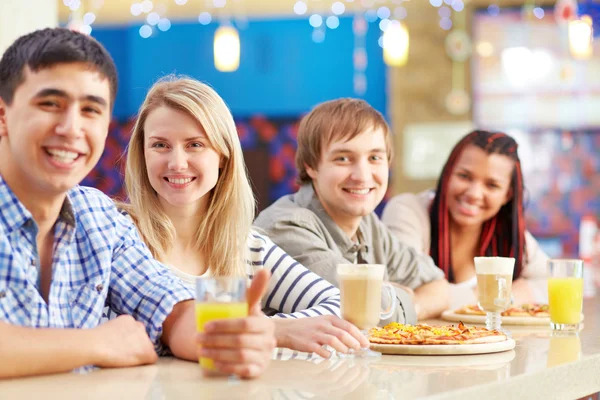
[358, 191]
[63, 155]
[180, 181]
[468, 207]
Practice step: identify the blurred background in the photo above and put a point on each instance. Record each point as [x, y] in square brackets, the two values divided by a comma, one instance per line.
[435, 68]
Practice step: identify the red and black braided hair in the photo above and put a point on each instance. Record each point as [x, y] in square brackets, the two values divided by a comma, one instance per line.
[504, 234]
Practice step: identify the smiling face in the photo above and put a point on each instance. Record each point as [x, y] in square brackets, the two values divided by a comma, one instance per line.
[352, 176]
[479, 186]
[182, 165]
[54, 131]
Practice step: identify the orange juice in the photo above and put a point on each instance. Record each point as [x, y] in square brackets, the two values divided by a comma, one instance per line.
[206, 312]
[565, 297]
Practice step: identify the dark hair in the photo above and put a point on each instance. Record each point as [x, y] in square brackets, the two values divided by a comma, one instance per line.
[47, 47]
[502, 235]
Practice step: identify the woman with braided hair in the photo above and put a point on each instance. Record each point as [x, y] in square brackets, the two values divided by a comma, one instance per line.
[476, 210]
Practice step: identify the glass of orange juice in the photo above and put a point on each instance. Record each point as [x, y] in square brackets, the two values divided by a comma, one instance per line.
[218, 298]
[565, 294]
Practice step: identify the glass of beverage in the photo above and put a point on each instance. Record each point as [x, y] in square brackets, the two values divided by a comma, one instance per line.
[218, 298]
[361, 298]
[494, 287]
[565, 294]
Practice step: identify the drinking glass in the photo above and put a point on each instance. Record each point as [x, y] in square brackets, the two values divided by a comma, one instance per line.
[218, 298]
[361, 298]
[565, 294]
[494, 287]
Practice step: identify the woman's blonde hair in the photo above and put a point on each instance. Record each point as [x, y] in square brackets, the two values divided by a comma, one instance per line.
[222, 235]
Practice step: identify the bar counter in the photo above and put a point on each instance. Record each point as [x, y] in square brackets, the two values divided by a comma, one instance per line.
[541, 366]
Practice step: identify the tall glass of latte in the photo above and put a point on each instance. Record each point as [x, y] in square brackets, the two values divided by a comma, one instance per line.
[494, 284]
[361, 288]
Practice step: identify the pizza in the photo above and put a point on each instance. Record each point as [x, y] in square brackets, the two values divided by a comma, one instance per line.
[525, 310]
[423, 334]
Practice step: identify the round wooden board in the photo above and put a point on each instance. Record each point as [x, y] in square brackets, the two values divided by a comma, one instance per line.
[450, 315]
[488, 361]
[444, 349]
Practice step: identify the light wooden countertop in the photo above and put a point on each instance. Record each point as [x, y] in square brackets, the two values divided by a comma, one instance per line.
[541, 366]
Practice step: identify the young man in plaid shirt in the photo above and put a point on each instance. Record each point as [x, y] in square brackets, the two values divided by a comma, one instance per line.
[65, 250]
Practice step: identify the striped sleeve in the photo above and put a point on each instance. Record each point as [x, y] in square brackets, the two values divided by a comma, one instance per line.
[294, 291]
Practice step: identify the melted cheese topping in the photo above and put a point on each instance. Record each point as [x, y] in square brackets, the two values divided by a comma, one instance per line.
[422, 330]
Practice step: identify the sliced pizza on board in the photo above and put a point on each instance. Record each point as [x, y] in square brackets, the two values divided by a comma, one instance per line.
[423, 339]
[532, 314]
[524, 310]
[423, 334]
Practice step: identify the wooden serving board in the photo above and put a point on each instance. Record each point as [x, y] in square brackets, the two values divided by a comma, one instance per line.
[488, 361]
[450, 315]
[444, 349]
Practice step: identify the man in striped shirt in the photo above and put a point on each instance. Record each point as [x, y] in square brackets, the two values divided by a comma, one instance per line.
[66, 251]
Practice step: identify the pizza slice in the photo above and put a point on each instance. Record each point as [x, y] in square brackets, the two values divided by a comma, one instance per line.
[524, 310]
[471, 309]
[516, 312]
[537, 310]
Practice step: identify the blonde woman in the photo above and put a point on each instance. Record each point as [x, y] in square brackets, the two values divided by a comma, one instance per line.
[191, 200]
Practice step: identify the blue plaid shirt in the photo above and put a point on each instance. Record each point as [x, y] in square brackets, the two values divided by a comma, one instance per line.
[98, 259]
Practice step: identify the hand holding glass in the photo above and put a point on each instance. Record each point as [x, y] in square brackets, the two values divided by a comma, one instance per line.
[219, 298]
[494, 287]
[361, 294]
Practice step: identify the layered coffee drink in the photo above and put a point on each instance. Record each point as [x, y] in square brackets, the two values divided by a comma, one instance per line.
[360, 287]
[494, 282]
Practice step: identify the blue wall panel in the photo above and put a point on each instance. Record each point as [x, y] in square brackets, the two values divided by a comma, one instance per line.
[282, 71]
